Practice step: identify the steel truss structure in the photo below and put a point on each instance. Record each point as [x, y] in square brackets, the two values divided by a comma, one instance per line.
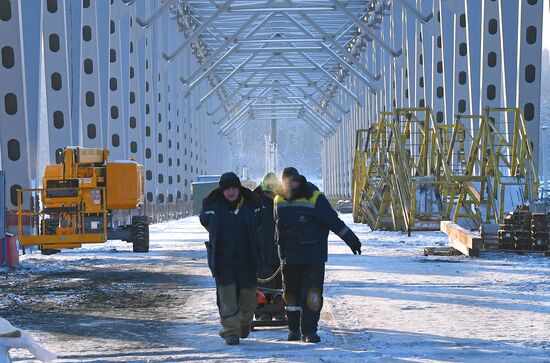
[106, 85]
[169, 82]
[457, 57]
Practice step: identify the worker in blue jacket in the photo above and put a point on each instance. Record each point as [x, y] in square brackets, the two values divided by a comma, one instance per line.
[303, 218]
[232, 214]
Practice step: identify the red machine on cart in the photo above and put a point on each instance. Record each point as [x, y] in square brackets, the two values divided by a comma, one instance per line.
[270, 302]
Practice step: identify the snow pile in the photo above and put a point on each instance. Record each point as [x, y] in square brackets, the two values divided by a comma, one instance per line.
[11, 337]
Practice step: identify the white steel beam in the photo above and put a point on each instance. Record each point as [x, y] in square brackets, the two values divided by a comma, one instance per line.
[58, 85]
[365, 28]
[198, 31]
[156, 14]
[136, 115]
[14, 138]
[529, 67]
[231, 39]
[150, 127]
[90, 94]
[116, 127]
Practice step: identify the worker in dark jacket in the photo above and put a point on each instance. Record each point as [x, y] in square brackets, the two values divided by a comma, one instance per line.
[266, 235]
[303, 218]
[232, 214]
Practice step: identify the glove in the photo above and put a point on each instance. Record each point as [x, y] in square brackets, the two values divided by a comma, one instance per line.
[355, 246]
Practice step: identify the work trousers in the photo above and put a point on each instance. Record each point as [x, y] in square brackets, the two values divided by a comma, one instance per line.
[303, 295]
[236, 307]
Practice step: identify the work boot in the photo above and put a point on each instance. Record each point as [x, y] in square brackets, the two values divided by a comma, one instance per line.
[245, 330]
[293, 336]
[311, 338]
[232, 339]
[293, 320]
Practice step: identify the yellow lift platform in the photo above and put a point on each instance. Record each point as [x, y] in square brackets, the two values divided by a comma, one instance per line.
[77, 201]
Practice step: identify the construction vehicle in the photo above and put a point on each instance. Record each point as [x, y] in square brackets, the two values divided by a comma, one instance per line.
[79, 197]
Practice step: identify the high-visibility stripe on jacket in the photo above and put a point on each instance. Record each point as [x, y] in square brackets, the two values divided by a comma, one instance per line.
[302, 227]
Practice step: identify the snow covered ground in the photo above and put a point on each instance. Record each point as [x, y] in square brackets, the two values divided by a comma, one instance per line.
[389, 304]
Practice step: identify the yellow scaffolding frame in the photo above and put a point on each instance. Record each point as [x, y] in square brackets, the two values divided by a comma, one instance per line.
[410, 172]
[500, 159]
[394, 166]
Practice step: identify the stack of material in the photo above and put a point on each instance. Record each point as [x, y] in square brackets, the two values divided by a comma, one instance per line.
[540, 231]
[505, 234]
[524, 230]
[489, 233]
[522, 217]
[515, 232]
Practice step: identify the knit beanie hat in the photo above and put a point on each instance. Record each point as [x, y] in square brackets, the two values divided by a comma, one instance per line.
[290, 173]
[229, 180]
[270, 183]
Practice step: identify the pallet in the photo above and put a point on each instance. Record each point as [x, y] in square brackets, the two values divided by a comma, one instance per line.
[441, 251]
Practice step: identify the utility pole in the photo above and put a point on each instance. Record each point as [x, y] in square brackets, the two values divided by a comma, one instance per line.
[273, 146]
[271, 164]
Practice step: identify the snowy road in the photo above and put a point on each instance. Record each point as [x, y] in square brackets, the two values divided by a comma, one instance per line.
[106, 304]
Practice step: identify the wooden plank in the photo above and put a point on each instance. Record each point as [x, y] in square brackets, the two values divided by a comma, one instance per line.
[467, 242]
[457, 245]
